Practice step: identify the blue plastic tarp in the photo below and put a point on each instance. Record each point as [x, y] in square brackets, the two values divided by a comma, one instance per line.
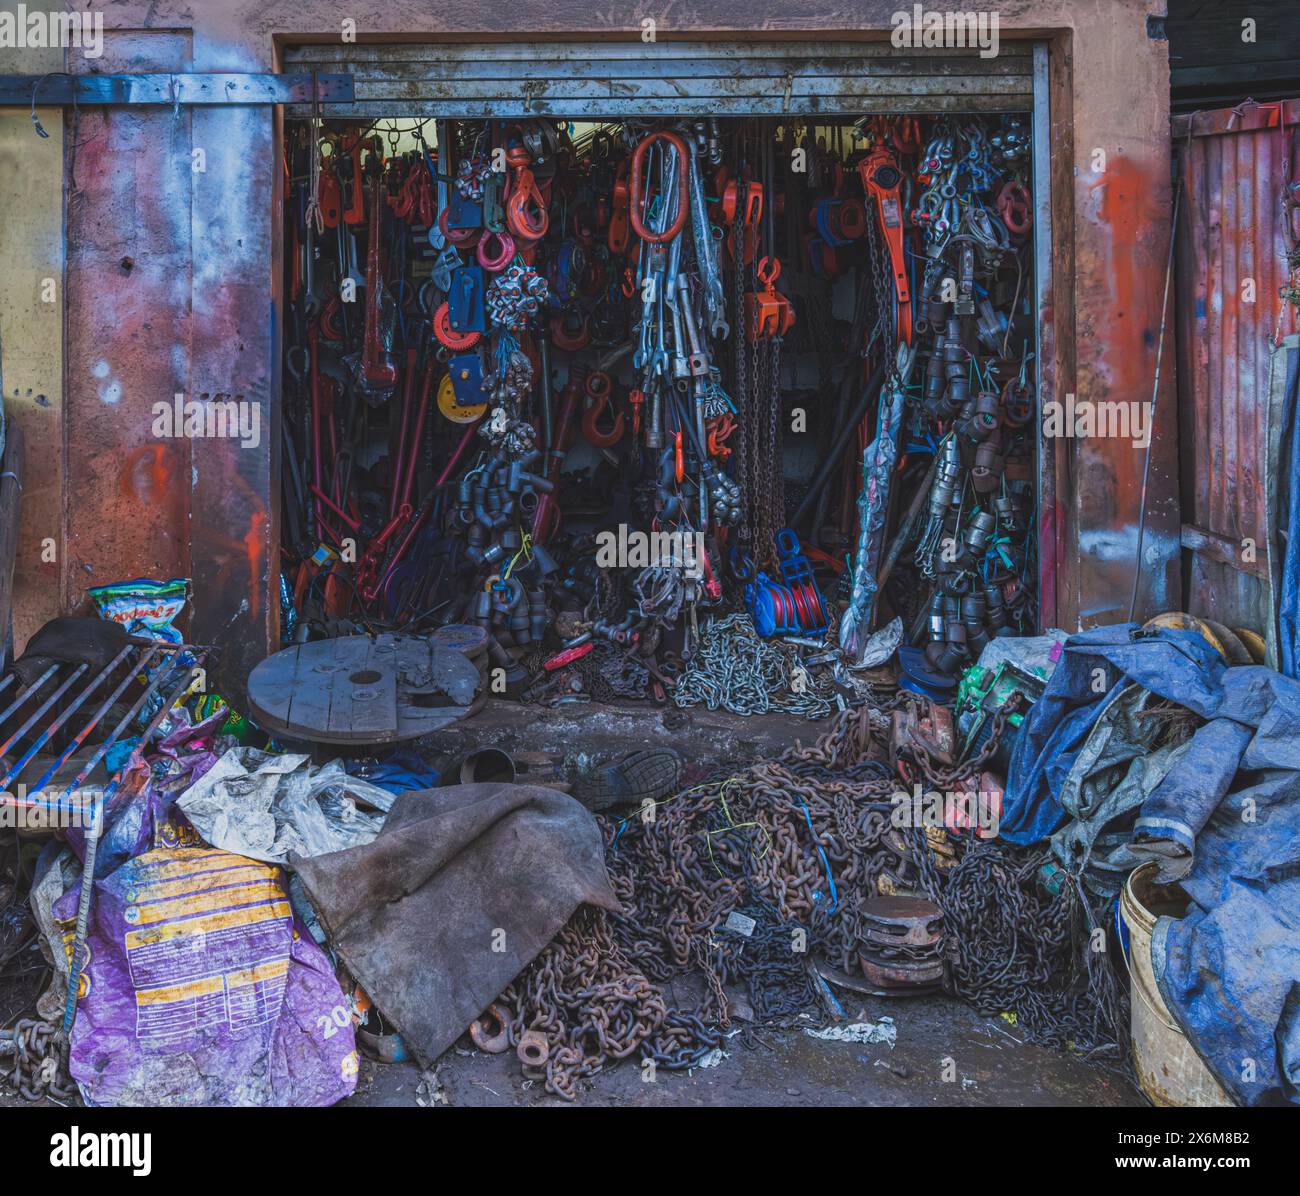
[1289, 516]
[1230, 813]
[1094, 664]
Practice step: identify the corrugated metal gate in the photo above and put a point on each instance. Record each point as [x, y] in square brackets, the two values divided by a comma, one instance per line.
[1231, 264]
[672, 78]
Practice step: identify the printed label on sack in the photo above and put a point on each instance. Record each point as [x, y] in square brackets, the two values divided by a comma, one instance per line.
[209, 942]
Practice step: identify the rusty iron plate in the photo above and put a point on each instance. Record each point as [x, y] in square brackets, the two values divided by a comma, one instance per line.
[900, 975]
[899, 922]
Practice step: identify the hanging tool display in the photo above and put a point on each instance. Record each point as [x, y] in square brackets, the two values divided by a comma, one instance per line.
[552, 380]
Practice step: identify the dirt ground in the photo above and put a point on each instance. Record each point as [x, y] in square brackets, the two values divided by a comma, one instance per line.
[946, 1054]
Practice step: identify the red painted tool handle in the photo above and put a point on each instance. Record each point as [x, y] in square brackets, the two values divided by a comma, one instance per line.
[378, 366]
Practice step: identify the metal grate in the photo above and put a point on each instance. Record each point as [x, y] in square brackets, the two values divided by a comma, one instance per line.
[140, 675]
[44, 725]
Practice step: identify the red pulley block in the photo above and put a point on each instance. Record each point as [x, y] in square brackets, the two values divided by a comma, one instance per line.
[456, 341]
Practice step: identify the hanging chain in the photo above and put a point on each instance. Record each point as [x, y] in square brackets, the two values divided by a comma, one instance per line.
[743, 442]
[882, 331]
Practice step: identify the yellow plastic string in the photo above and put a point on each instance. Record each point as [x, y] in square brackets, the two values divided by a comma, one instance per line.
[525, 549]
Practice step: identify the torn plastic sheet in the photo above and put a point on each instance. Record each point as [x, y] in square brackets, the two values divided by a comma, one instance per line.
[861, 1032]
[57, 871]
[268, 807]
[880, 645]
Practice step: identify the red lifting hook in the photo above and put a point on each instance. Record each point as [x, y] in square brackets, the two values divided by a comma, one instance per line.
[600, 390]
[639, 199]
[1013, 207]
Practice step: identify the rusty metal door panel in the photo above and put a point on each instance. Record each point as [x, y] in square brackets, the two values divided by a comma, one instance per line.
[1231, 265]
[128, 331]
[669, 78]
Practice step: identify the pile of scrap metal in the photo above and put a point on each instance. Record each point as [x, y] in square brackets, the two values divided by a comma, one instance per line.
[775, 885]
[1176, 779]
[151, 962]
[887, 857]
[541, 380]
[767, 886]
[81, 707]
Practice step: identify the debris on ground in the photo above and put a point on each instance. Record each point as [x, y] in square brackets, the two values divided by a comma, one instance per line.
[861, 1032]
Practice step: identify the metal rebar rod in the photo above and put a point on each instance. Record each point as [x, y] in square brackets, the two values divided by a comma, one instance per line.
[1155, 394]
[53, 729]
[22, 693]
[94, 720]
[103, 749]
[78, 959]
[870, 391]
[42, 708]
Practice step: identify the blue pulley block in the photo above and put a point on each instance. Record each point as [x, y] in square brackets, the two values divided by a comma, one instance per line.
[467, 300]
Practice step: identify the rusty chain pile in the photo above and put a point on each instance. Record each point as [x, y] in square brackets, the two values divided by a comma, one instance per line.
[40, 1067]
[1013, 946]
[795, 847]
[593, 1004]
[758, 842]
[1017, 948]
[732, 667]
[805, 834]
[768, 961]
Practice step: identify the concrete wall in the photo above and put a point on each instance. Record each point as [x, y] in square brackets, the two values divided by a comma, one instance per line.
[31, 336]
[197, 311]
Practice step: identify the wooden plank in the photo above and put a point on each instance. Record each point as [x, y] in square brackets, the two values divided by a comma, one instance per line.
[312, 695]
[364, 706]
[1224, 550]
[355, 690]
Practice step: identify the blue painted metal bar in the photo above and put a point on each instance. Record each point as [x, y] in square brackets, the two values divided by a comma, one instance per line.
[43, 707]
[31, 689]
[92, 839]
[53, 729]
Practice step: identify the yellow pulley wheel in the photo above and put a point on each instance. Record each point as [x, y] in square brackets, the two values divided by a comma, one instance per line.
[1254, 643]
[453, 410]
[1234, 651]
[1219, 637]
